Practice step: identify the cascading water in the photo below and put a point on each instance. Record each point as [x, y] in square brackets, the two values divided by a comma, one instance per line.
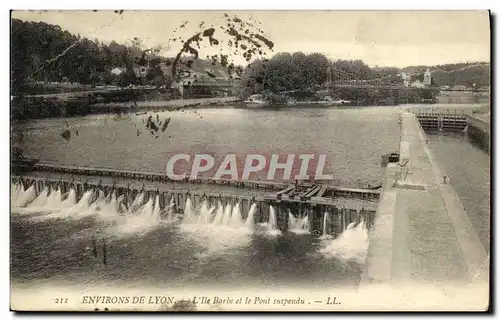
[189, 214]
[271, 227]
[219, 214]
[55, 199]
[156, 216]
[111, 204]
[15, 190]
[272, 223]
[204, 216]
[147, 210]
[304, 223]
[236, 219]
[83, 206]
[227, 215]
[298, 225]
[70, 198]
[325, 224]
[351, 245]
[216, 228]
[211, 211]
[21, 197]
[41, 200]
[250, 222]
[137, 203]
[170, 210]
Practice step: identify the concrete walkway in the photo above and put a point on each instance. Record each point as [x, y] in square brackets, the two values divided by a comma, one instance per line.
[421, 231]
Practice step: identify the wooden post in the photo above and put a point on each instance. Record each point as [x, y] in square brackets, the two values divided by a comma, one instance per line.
[319, 215]
[344, 215]
[309, 214]
[284, 216]
[339, 221]
[245, 208]
[196, 199]
[181, 201]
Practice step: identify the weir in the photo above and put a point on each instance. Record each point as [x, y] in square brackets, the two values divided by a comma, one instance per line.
[304, 214]
[342, 186]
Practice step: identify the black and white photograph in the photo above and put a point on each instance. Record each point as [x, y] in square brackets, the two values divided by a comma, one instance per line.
[235, 160]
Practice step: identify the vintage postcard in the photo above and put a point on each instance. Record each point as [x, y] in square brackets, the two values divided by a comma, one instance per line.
[250, 160]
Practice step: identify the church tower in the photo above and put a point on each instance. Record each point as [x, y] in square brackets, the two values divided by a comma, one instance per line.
[427, 77]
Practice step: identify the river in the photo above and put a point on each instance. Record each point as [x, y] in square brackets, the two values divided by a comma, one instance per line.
[51, 248]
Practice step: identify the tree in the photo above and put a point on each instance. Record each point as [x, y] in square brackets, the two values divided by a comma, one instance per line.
[284, 73]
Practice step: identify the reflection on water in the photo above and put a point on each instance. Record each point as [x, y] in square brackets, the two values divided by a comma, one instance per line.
[353, 139]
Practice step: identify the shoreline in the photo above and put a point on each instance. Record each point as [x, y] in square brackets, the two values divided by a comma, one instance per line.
[71, 110]
[174, 103]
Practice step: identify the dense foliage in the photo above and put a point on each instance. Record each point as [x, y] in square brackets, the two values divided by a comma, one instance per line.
[44, 52]
[303, 77]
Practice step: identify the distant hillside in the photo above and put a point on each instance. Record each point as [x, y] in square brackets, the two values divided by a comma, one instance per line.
[455, 74]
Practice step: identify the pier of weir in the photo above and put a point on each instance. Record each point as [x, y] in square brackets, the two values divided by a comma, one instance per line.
[421, 232]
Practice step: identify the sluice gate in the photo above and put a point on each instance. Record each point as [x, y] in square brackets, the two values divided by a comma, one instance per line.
[322, 214]
[442, 121]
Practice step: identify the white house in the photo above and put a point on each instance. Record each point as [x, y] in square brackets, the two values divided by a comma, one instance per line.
[417, 84]
[140, 71]
[117, 71]
[406, 79]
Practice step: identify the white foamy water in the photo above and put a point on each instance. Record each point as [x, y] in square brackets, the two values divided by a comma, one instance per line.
[25, 202]
[229, 216]
[351, 245]
[250, 222]
[219, 214]
[217, 228]
[236, 219]
[146, 217]
[270, 228]
[82, 209]
[21, 197]
[299, 225]
[51, 204]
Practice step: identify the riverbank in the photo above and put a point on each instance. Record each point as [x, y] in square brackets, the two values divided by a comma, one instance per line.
[87, 103]
[160, 104]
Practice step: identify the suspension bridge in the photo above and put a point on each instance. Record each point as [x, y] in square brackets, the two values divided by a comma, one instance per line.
[340, 78]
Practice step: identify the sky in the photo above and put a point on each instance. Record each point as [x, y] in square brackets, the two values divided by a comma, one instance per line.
[379, 38]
